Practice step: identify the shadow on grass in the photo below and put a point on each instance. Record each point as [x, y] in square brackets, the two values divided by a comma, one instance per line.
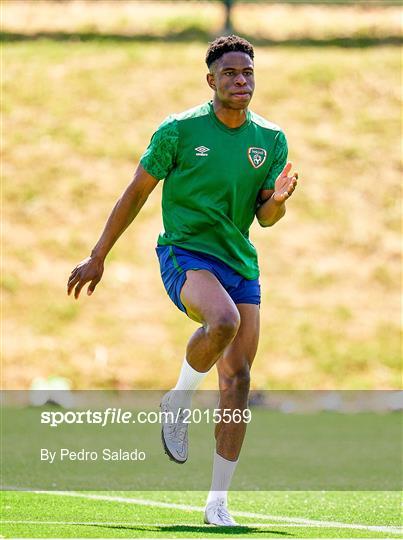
[197, 34]
[204, 529]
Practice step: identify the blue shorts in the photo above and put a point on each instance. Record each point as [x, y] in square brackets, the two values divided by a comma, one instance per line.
[175, 261]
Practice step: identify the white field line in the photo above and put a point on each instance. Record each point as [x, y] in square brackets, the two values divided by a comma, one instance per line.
[253, 515]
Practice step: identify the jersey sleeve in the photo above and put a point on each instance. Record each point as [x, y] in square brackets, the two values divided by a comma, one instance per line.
[279, 162]
[160, 155]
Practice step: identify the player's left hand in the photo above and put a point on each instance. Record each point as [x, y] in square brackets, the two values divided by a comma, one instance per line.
[284, 185]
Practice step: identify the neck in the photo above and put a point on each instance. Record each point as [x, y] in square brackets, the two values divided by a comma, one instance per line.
[232, 118]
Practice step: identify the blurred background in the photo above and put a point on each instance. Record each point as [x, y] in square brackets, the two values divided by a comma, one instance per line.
[85, 83]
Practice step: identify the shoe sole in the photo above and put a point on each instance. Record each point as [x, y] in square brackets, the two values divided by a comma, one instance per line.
[206, 522]
[168, 453]
[215, 525]
[166, 449]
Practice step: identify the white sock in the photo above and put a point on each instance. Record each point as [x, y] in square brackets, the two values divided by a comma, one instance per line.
[189, 379]
[223, 469]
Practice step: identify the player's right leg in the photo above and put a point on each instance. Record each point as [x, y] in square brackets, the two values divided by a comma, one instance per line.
[205, 301]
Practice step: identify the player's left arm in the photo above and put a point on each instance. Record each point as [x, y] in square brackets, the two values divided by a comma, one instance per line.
[273, 200]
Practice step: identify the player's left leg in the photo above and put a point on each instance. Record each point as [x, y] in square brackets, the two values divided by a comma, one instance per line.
[234, 378]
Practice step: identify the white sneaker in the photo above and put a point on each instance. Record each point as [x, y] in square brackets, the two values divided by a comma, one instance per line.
[216, 513]
[174, 433]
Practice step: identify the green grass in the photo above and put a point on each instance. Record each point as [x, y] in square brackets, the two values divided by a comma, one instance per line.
[301, 451]
[50, 515]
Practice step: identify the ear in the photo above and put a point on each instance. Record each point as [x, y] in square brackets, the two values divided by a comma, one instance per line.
[211, 81]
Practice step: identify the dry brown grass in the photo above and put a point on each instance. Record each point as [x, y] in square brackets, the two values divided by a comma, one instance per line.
[76, 125]
[277, 22]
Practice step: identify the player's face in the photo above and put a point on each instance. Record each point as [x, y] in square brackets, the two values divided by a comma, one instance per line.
[233, 80]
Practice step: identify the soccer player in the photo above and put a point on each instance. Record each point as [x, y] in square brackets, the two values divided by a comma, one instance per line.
[222, 165]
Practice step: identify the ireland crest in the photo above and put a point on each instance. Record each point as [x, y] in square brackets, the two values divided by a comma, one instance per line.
[257, 156]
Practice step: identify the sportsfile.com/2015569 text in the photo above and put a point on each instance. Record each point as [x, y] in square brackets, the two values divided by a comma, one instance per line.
[113, 415]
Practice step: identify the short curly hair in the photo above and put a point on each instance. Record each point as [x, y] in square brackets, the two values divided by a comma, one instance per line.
[224, 44]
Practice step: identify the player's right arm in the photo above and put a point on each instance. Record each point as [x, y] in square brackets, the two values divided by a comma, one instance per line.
[125, 210]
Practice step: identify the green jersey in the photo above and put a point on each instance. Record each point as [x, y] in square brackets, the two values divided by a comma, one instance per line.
[213, 175]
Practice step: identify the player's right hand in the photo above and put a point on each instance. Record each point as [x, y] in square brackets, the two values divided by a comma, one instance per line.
[90, 269]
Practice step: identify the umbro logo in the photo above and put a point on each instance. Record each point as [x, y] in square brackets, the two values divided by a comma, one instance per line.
[202, 151]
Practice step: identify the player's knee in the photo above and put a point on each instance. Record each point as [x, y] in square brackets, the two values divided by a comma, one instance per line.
[225, 326]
